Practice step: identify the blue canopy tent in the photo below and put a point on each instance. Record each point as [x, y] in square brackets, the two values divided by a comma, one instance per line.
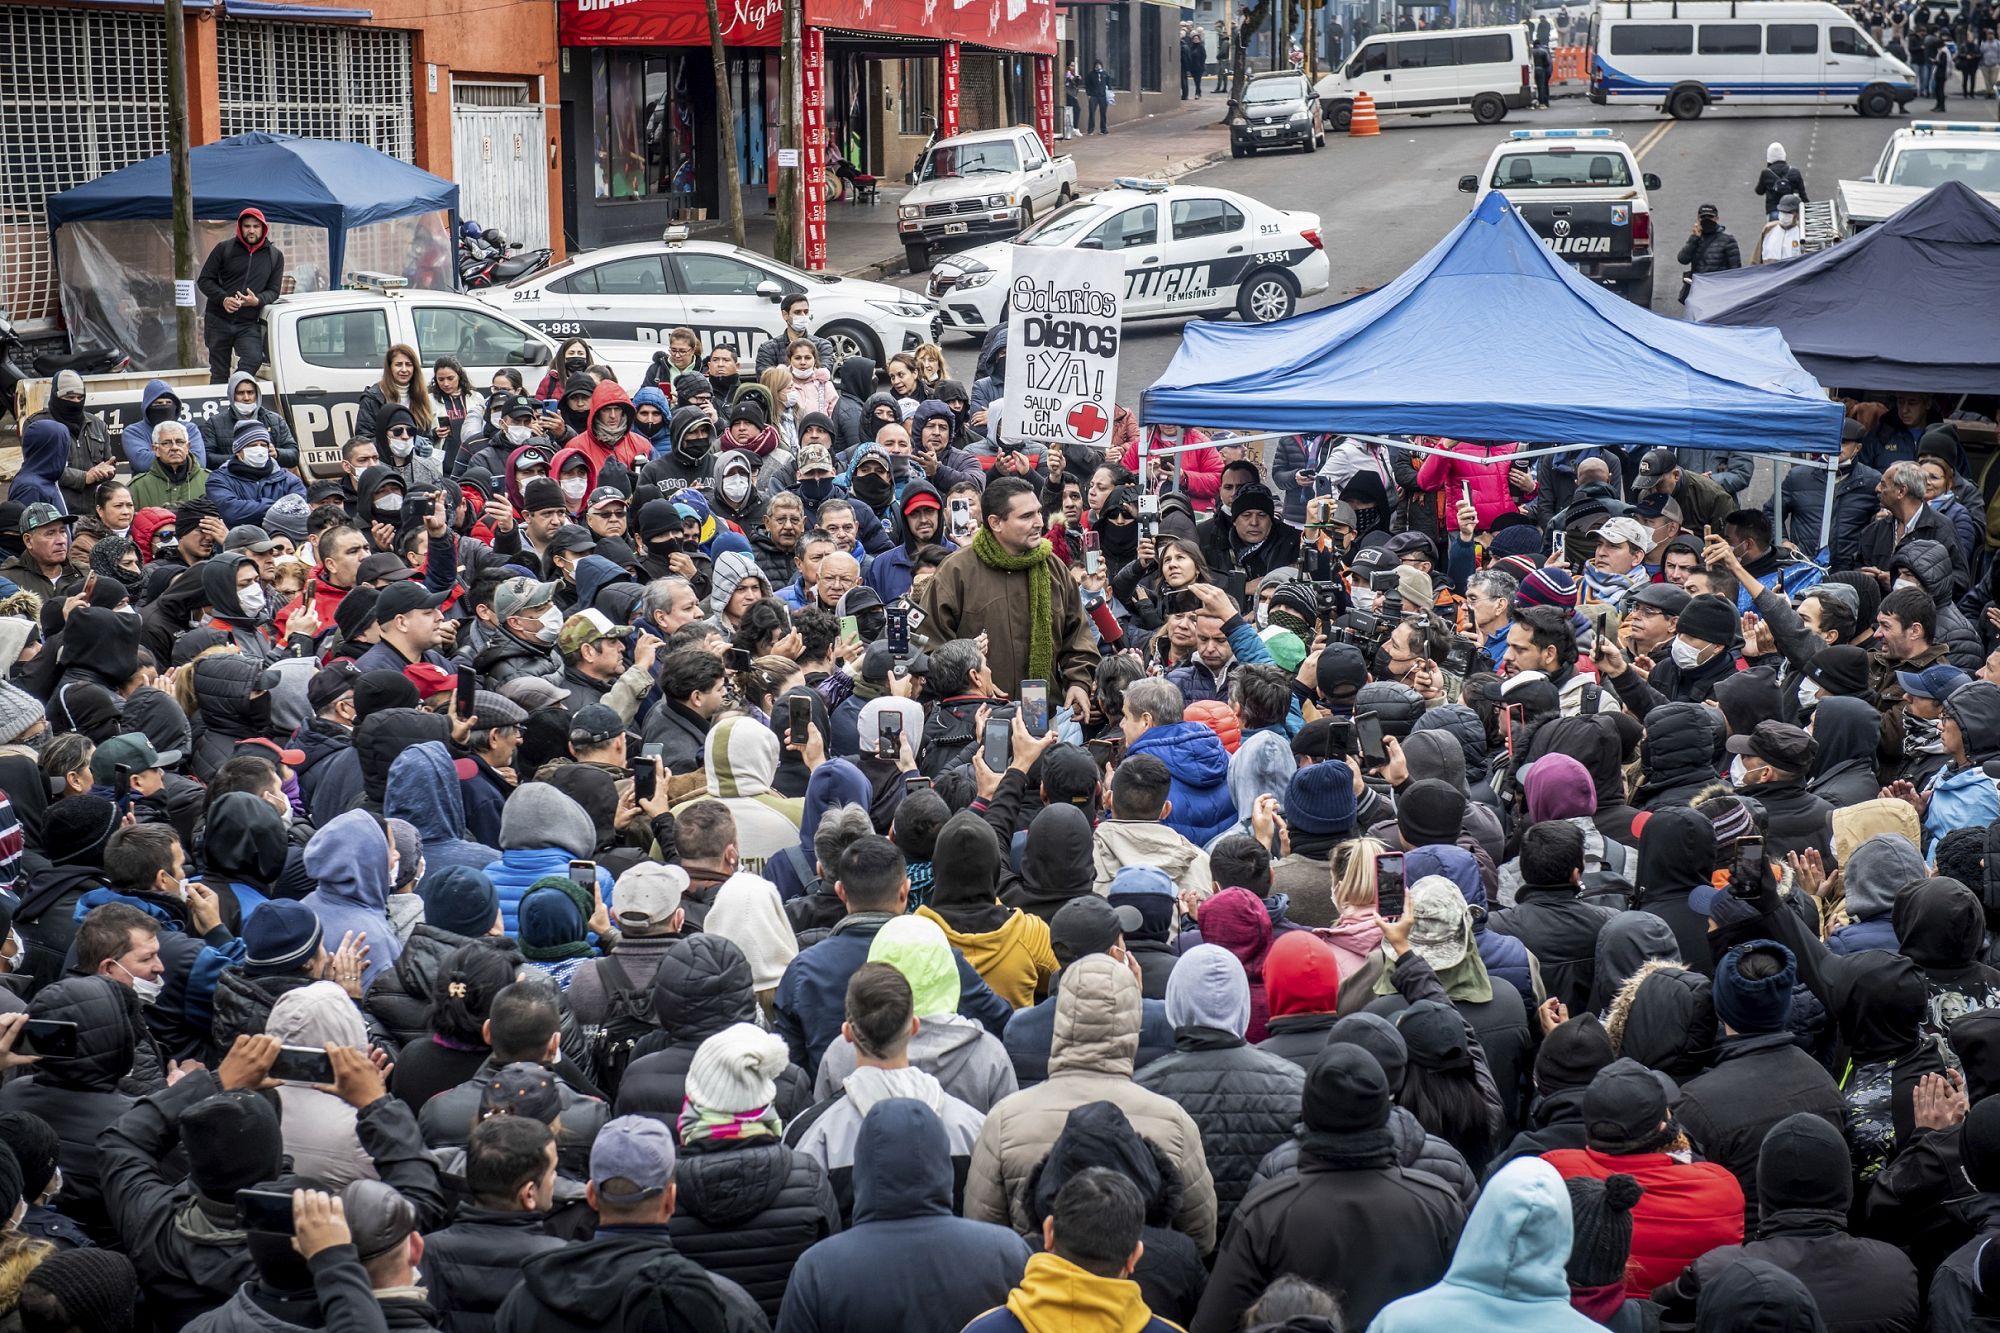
[109, 234]
[1491, 337]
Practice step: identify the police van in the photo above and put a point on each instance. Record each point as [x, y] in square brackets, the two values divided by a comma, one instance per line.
[1582, 192]
[1486, 71]
[1684, 56]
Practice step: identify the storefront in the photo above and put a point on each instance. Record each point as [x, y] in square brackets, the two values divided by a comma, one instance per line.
[638, 92]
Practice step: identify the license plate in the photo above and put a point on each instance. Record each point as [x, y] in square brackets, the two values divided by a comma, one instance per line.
[955, 228]
[1266, 134]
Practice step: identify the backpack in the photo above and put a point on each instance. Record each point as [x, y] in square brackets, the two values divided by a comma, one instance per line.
[628, 1017]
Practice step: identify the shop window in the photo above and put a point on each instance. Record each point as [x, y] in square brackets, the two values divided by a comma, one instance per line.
[1149, 48]
[1117, 43]
[643, 125]
[916, 111]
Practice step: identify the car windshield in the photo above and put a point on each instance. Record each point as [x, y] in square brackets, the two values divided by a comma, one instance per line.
[1063, 226]
[1557, 168]
[1926, 167]
[1274, 90]
[950, 161]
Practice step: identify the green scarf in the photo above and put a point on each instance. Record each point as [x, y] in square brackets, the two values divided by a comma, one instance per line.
[1041, 597]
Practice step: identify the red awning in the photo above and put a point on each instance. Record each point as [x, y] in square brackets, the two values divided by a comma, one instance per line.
[1006, 25]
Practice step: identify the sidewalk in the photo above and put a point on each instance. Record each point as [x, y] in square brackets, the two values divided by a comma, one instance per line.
[862, 241]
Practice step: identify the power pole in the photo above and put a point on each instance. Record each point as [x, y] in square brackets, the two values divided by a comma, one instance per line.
[788, 237]
[725, 132]
[185, 346]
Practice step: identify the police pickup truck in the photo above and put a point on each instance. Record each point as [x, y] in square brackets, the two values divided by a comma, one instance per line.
[1584, 195]
[1918, 157]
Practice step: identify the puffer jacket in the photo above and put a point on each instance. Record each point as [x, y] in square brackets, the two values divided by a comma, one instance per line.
[243, 494]
[472, 1265]
[1481, 466]
[1198, 768]
[746, 1209]
[1931, 564]
[702, 986]
[1677, 755]
[1244, 1101]
[1417, 1149]
[1713, 252]
[80, 1096]
[1664, 1017]
[1096, 1039]
[1688, 1209]
[399, 1003]
[541, 832]
[1561, 931]
[243, 1006]
[1756, 1082]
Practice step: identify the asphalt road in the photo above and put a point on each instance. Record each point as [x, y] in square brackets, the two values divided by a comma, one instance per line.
[1384, 201]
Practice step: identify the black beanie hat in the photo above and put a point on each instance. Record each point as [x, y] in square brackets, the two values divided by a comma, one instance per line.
[97, 1289]
[1841, 669]
[10, 1182]
[1346, 1092]
[1572, 1054]
[36, 1148]
[1341, 672]
[1430, 810]
[356, 611]
[75, 828]
[1379, 1037]
[1600, 1228]
[1753, 1005]
[377, 690]
[746, 410]
[232, 1141]
[1710, 619]
[1804, 1164]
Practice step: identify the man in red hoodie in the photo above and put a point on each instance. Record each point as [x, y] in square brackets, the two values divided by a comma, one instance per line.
[238, 279]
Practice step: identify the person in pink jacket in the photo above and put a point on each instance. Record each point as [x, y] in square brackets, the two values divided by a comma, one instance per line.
[1201, 469]
[1480, 465]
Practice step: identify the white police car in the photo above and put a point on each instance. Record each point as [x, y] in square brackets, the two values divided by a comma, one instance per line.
[1187, 251]
[643, 290]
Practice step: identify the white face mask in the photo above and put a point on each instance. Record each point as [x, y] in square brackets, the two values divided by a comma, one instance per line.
[735, 487]
[1737, 777]
[244, 409]
[575, 488]
[520, 434]
[401, 448]
[391, 505]
[255, 455]
[1788, 220]
[1686, 656]
[251, 599]
[146, 988]
[1364, 599]
[798, 323]
[552, 622]
[1263, 615]
[1808, 694]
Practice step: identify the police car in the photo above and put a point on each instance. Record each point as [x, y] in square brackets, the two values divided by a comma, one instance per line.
[1582, 192]
[1917, 158]
[644, 290]
[1187, 251]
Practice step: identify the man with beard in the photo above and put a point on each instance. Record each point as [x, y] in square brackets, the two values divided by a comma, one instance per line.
[241, 276]
[920, 520]
[1258, 543]
[1212, 533]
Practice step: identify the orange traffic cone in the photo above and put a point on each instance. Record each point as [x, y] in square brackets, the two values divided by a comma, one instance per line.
[1361, 120]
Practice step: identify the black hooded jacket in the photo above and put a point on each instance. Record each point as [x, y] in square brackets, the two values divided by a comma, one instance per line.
[1848, 731]
[1677, 755]
[223, 684]
[703, 985]
[1941, 927]
[1055, 862]
[1677, 854]
[383, 735]
[1670, 1024]
[172, 613]
[1244, 1101]
[625, 1280]
[78, 1097]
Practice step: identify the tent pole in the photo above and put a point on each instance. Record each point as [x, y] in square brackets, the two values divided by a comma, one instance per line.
[1832, 466]
[1780, 469]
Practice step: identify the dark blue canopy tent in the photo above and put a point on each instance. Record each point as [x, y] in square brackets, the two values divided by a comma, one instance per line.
[311, 182]
[1910, 306]
[1491, 337]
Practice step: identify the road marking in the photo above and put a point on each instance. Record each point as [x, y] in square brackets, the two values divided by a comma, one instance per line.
[1658, 133]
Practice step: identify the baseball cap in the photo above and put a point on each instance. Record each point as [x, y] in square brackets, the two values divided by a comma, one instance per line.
[1654, 466]
[587, 627]
[134, 751]
[1625, 532]
[604, 497]
[1344, 516]
[1089, 924]
[1933, 682]
[1662, 597]
[922, 500]
[518, 594]
[1657, 505]
[1625, 1103]
[517, 405]
[329, 683]
[430, 679]
[41, 515]
[1779, 744]
[813, 458]
[247, 537]
[402, 598]
[595, 724]
[273, 749]
[648, 895]
[383, 565]
[637, 1151]
[532, 693]
[572, 537]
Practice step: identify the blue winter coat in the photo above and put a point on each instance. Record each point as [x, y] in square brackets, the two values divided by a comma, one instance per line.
[44, 453]
[519, 867]
[1961, 798]
[423, 788]
[349, 859]
[907, 1258]
[1199, 768]
[184, 1014]
[242, 496]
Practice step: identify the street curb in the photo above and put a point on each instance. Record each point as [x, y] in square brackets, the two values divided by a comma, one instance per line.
[894, 267]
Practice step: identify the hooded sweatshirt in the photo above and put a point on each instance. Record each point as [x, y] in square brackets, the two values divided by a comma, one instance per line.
[1056, 863]
[349, 858]
[318, 1126]
[1872, 875]
[423, 789]
[44, 452]
[138, 437]
[1123, 842]
[835, 782]
[1509, 1268]
[1676, 855]
[745, 910]
[740, 755]
[541, 832]
[1009, 948]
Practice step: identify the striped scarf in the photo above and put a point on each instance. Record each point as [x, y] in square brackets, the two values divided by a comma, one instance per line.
[699, 1126]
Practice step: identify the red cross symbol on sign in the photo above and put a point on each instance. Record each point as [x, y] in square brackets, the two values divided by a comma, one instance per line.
[1088, 420]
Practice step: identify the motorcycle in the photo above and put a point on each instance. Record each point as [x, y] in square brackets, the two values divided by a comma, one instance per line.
[488, 259]
[17, 364]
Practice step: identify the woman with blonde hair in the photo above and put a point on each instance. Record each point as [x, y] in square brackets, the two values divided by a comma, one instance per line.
[1356, 933]
[931, 368]
[400, 386]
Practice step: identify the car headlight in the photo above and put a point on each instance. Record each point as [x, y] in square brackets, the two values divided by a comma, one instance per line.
[1300, 118]
[978, 278]
[1239, 120]
[903, 309]
[999, 200]
[908, 211]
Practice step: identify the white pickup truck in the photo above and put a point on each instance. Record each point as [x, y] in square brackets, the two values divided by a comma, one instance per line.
[326, 347]
[977, 187]
[1918, 157]
[1582, 192]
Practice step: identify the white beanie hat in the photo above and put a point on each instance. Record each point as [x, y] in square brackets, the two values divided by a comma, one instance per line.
[1774, 152]
[737, 1070]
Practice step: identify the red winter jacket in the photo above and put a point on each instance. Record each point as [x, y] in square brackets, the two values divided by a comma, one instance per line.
[1687, 1210]
[628, 450]
[1201, 469]
[1468, 463]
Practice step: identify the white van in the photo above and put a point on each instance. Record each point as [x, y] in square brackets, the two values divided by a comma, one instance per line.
[1686, 55]
[1487, 71]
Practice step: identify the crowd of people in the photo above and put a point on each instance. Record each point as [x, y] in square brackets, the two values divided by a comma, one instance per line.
[1939, 41]
[772, 850]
